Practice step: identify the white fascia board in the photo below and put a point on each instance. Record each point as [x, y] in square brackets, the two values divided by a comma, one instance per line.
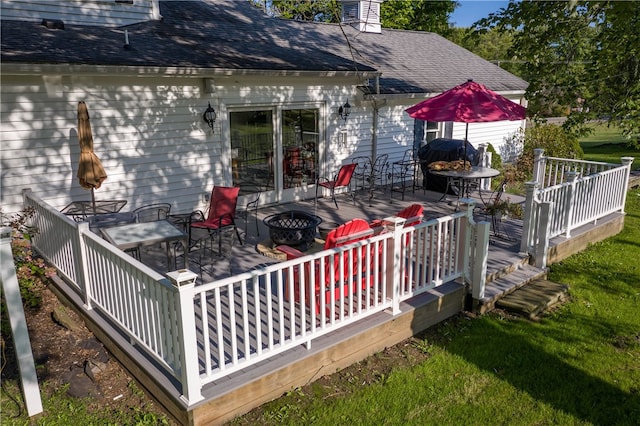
[66, 69]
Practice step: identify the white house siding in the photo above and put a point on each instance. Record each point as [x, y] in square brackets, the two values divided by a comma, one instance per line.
[108, 13]
[494, 133]
[148, 133]
[395, 131]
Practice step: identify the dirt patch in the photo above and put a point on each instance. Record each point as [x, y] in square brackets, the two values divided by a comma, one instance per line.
[71, 356]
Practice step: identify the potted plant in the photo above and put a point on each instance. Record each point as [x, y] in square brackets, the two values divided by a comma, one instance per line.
[502, 209]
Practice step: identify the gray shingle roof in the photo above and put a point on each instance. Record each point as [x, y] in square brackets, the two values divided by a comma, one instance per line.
[232, 34]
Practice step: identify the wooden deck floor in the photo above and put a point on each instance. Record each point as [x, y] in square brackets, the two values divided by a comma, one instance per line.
[503, 249]
[248, 388]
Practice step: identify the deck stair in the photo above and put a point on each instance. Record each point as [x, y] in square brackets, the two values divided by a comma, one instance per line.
[534, 298]
[509, 277]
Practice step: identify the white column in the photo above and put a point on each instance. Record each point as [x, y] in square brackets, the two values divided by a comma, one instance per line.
[394, 249]
[15, 312]
[185, 280]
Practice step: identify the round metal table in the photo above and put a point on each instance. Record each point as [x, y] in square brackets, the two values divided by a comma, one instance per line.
[465, 177]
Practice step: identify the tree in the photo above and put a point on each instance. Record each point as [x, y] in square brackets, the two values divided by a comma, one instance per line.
[306, 10]
[418, 15]
[584, 55]
[492, 45]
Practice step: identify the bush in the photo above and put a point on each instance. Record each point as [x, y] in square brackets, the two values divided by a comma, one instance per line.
[555, 141]
[496, 159]
[31, 270]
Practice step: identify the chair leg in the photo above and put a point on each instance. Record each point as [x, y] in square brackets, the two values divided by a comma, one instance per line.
[237, 233]
[333, 196]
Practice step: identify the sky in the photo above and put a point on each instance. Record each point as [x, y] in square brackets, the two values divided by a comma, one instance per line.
[470, 11]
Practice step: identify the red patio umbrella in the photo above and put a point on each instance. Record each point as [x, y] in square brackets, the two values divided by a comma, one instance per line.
[91, 174]
[469, 102]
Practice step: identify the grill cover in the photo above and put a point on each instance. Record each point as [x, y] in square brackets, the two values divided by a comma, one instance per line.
[442, 149]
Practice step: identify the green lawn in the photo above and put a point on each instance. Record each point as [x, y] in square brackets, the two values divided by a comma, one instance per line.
[608, 145]
[578, 365]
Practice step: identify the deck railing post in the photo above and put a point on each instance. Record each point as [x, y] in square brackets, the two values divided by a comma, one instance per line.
[539, 165]
[394, 251]
[542, 246]
[20, 333]
[568, 211]
[185, 281]
[529, 217]
[464, 251]
[485, 161]
[626, 162]
[82, 273]
[480, 260]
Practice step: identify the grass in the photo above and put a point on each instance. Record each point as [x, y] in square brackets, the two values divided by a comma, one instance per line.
[606, 144]
[579, 365]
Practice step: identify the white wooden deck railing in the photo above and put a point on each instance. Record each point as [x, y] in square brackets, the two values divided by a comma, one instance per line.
[551, 171]
[571, 200]
[142, 302]
[202, 333]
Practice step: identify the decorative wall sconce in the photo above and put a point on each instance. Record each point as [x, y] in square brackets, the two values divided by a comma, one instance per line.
[344, 111]
[209, 116]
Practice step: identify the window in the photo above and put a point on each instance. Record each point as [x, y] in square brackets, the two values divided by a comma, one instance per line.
[431, 131]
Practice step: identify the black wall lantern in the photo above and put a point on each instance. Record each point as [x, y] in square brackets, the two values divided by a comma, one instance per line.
[209, 116]
[344, 111]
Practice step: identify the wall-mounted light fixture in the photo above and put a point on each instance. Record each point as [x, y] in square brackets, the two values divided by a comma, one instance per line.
[209, 116]
[344, 111]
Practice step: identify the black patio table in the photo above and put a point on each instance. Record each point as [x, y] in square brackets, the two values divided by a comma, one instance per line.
[81, 210]
[465, 177]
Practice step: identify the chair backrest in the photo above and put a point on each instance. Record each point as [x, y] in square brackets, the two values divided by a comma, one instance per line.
[413, 214]
[344, 175]
[497, 194]
[222, 207]
[152, 212]
[408, 155]
[380, 164]
[363, 164]
[357, 229]
[347, 233]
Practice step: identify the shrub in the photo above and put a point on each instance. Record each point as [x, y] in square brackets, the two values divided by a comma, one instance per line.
[555, 141]
[496, 159]
[31, 270]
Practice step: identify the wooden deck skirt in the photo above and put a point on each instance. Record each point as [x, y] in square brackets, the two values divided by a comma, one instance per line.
[250, 388]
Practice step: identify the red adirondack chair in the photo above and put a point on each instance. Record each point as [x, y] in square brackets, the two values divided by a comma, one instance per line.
[413, 215]
[350, 232]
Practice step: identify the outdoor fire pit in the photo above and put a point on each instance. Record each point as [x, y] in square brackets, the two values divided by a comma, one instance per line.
[293, 228]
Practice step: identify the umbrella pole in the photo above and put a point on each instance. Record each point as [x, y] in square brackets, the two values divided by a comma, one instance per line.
[93, 201]
[466, 141]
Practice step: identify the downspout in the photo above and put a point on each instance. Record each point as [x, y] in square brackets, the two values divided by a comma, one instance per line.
[376, 110]
[374, 135]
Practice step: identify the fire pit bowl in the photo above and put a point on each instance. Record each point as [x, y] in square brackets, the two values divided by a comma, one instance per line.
[293, 228]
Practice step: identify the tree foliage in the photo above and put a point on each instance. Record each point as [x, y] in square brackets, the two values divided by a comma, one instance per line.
[418, 15]
[305, 10]
[582, 55]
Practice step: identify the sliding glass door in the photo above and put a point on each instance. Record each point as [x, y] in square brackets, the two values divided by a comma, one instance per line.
[282, 164]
